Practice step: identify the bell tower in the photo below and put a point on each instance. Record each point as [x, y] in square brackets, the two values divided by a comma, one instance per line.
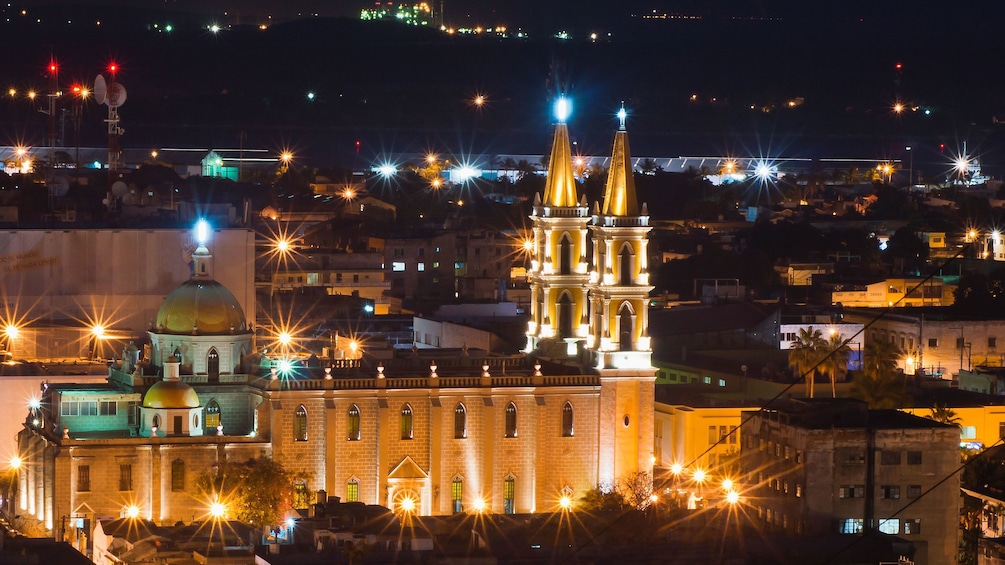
[618, 341]
[558, 275]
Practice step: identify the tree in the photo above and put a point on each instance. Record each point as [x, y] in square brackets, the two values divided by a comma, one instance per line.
[944, 414]
[637, 489]
[806, 354]
[257, 491]
[835, 365]
[881, 385]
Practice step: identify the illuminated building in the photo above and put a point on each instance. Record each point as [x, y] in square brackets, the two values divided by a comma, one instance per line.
[506, 434]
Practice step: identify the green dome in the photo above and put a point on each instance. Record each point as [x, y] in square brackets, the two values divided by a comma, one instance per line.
[201, 306]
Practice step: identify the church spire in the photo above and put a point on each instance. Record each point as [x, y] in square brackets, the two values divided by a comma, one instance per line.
[560, 187]
[619, 198]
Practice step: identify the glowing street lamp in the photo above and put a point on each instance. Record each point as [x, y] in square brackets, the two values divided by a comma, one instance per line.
[479, 505]
[407, 504]
[217, 510]
[565, 502]
[732, 497]
[15, 462]
[132, 511]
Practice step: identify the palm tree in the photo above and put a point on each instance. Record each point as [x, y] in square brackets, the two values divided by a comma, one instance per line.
[805, 355]
[944, 414]
[835, 365]
[880, 358]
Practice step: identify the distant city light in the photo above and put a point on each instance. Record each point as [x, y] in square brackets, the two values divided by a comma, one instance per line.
[34, 403]
[11, 331]
[563, 107]
[214, 28]
[310, 96]
[762, 171]
[732, 497]
[386, 170]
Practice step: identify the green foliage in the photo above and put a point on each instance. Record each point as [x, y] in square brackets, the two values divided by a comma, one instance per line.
[944, 414]
[981, 295]
[603, 499]
[806, 355]
[881, 384]
[835, 365]
[258, 491]
[633, 491]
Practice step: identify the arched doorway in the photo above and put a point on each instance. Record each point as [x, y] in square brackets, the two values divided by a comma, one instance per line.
[627, 260]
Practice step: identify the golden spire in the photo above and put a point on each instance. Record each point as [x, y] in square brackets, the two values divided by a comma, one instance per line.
[619, 198]
[560, 187]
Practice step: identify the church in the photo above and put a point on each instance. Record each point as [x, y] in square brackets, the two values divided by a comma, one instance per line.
[499, 435]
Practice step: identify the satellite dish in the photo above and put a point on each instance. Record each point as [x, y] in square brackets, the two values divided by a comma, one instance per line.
[116, 95]
[59, 186]
[100, 89]
[119, 188]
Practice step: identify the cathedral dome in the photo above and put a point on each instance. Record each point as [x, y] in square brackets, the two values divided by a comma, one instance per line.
[171, 394]
[200, 306]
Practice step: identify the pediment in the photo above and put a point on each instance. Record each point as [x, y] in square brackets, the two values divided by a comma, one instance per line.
[408, 469]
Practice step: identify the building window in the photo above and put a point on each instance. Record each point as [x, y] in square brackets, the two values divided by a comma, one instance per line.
[992, 342]
[460, 422]
[889, 491]
[301, 498]
[723, 432]
[851, 491]
[799, 490]
[212, 417]
[933, 342]
[177, 475]
[352, 491]
[511, 420]
[1001, 430]
[890, 526]
[567, 420]
[890, 457]
[107, 408]
[300, 424]
[420, 267]
[913, 458]
[353, 432]
[398, 266]
[799, 456]
[83, 478]
[406, 422]
[713, 434]
[912, 527]
[125, 477]
[968, 432]
[457, 494]
[851, 526]
[509, 495]
[913, 491]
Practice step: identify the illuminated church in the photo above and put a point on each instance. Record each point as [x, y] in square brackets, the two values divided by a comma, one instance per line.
[513, 435]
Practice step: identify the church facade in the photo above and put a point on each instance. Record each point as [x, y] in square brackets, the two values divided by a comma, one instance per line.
[501, 434]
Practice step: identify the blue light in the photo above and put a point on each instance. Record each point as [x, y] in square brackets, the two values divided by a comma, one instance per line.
[622, 115]
[563, 107]
[386, 170]
[202, 232]
[97, 164]
[368, 308]
[285, 366]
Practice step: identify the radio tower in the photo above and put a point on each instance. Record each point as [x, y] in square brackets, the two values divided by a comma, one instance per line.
[51, 96]
[114, 131]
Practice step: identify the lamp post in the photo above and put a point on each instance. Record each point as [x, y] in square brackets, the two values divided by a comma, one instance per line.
[910, 170]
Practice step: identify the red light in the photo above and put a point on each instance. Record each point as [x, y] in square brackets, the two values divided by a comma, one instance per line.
[52, 67]
[113, 68]
[76, 89]
[899, 66]
[942, 147]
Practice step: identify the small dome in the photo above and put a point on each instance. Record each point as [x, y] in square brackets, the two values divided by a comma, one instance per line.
[171, 394]
[203, 306]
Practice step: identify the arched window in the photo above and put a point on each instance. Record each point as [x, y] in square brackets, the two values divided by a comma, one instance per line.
[627, 260]
[457, 494]
[406, 422]
[352, 490]
[510, 420]
[301, 497]
[565, 255]
[625, 328]
[212, 418]
[213, 365]
[460, 422]
[157, 421]
[177, 475]
[509, 495]
[300, 424]
[565, 311]
[353, 434]
[567, 420]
